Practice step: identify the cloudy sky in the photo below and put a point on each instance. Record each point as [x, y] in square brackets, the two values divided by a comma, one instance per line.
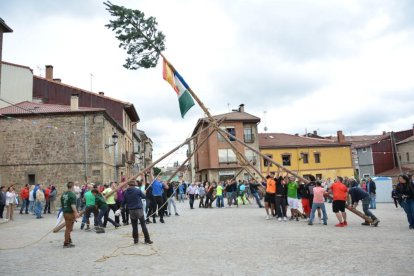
[299, 65]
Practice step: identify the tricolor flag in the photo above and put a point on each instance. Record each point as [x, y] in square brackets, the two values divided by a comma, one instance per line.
[179, 85]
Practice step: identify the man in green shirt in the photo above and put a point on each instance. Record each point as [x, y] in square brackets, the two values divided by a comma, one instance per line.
[70, 213]
[103, 208]
[90, 208]
[292, 193]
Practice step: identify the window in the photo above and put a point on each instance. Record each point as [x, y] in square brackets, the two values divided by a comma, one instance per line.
[226, 156]
[318, 176]
[305, 158]
[250, 156]
[408, 157]
[248, 135]
[366, 175]
[267, 163]
[317, 156]
[228, 129]
[286, 159]
[364, 149]
[31, 179]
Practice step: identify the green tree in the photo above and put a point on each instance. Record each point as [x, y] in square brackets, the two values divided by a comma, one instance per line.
[156, 171]
[137, 35]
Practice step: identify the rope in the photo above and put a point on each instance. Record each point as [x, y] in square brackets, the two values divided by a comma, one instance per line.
[29, 244]
[115, 254]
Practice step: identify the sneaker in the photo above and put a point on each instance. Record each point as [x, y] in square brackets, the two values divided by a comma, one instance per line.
[375, 222]
[161, 220]
[100, 230]
[341, 224]
[117, 225]
[87, 229]
[310, 223]
[82, 226]
[325, 223]
[177, 214]
[279, 219]
[345, 223]
[297, 219]
[154, 221]
[365, 223]
[135, 241]
[267, 217]
[149, 242]
[69, 245]
[285, 219]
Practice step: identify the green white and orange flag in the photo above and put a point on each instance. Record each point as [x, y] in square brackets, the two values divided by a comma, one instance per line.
[180, 87]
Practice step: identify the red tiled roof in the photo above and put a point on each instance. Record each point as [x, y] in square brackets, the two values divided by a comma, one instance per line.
[283, 140]
[409, 139]
[360, 141]
[37, 108]
[237, 116]
[396, 172]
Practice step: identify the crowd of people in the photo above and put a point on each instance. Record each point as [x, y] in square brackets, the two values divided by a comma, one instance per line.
[32, 199]
[143, 202]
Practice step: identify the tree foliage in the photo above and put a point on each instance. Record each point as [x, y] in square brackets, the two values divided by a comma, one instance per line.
[156, 171]
[137, 35]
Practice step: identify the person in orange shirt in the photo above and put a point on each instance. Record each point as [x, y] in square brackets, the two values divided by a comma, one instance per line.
[340, 195]
[270, 196]
[24, 195]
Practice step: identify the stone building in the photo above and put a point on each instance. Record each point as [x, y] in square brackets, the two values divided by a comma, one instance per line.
[215, 160]
[142, 149]
[53, 144]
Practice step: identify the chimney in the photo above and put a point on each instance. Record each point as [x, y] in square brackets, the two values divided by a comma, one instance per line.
[74, 102]
[315, 132]
[241, 108]
[57, 80]
[101, 93]
[341, 137]
[384, 132]
[49, 72]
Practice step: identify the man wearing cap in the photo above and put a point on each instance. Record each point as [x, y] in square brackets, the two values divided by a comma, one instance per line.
[133, 200]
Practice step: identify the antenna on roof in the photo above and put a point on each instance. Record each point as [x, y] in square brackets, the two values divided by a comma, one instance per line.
[40, 70]
[264, 119]
[91, 75]
[228, 105]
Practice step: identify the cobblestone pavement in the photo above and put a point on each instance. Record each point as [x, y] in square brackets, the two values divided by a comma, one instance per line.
[229, 241]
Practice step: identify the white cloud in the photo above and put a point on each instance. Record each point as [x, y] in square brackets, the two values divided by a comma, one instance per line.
[323, 65]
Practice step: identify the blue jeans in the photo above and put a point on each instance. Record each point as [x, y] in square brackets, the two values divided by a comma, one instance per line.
[25, 206]
[373, 204]
[31, 206]
[256, 196]
[101, 214]
[408, 206]
[38, 209]
[220, 202]
[365, 203]
[180, 197]
[314, 207]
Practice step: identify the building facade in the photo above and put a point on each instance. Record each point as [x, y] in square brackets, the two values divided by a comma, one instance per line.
[321, 158]
[53, 144]
[405, 151]
[215, 159]
[378, 156]
[50, 90]
[16, 84]
[143, 150]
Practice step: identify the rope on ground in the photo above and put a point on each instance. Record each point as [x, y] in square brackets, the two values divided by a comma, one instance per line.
[29, 244]
[115, 253]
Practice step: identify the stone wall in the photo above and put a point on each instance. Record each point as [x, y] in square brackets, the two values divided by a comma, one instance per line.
[56, 149]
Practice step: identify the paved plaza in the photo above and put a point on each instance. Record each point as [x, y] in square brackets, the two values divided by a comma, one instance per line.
[228, 241]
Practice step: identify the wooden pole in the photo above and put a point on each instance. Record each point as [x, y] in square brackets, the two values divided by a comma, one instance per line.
[153, 164]
[192, 153]
[267, 158]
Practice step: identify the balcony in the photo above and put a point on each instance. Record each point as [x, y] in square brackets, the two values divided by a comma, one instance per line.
[249, 138]
[130, 157]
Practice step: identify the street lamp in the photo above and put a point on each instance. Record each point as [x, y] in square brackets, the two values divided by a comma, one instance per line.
[114, 140]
